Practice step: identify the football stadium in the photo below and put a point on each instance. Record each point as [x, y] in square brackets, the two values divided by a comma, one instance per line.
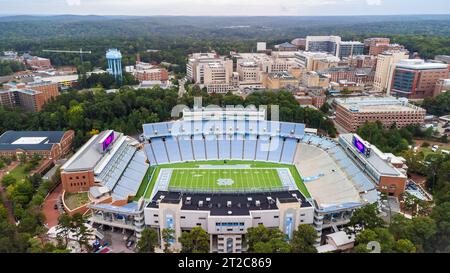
[225, 172]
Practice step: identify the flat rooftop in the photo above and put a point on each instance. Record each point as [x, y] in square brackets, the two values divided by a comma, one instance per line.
[241, 204]
[29, 140]
[375, 160]
[374, 104]
[88, 155]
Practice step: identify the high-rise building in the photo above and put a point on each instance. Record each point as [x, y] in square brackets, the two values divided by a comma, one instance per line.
[114, 58]
[195, 67]
[329, 44]
[384, 68]
[416, 79]
[350, 48]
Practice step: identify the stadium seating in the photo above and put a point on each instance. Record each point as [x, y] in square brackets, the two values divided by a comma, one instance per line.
[224, 148]
[262, 148]
[276, 147]
[159, 150]
[211, 148]
[289, 148]
[249, 147]
[199, 149]
[237, 151]
[185, 148]
[172, 149]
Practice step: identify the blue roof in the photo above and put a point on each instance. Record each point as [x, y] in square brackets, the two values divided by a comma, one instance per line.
[9, 137]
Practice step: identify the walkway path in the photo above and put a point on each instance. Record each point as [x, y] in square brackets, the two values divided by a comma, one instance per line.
[48, 208]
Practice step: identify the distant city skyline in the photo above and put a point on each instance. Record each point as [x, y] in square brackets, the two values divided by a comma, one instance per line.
[225, 7]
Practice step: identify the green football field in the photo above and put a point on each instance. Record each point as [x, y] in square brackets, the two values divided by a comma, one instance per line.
[225, 179]
[192, 175]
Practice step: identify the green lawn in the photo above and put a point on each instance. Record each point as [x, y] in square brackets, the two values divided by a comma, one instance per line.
[19, 172]
[75, 200]
[238, 179]
[251, 179]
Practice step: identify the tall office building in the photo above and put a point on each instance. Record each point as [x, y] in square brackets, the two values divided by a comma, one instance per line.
[350, 48]
[385, 65]
[329, 44]
[416, 79]
[114, 58]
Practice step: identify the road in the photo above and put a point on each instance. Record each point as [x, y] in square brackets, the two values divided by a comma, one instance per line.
[52, 214]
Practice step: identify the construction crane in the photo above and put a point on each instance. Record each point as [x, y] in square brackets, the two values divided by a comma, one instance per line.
[81, 52]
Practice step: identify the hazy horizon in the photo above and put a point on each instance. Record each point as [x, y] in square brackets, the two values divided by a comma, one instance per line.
[225, 8]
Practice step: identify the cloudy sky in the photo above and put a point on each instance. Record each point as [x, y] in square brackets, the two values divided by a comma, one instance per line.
[225, 7]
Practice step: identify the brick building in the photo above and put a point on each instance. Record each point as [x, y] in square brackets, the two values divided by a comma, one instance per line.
[416, 79]
[49, 144]
[30, 97]
[351, 113]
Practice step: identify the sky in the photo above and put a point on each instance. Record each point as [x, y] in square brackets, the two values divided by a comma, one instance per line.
[224, 7]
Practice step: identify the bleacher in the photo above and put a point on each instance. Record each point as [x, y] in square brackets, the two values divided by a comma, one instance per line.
[224, 148]
[159, 151]
[199, 149]
[249, 147]
[237, 148]
[172, 149]
[117, 164]
[289, 148]
[276, 147]
[185, 148]
[262, 148]
[149, 153]
[211, 147]
[131, 178]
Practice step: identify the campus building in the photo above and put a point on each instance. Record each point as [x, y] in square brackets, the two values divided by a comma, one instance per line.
[109, 165]
[30, 97]
[416, 79]
[351, 113]
[51, 145]
[329, 44]
[315, 61]
[385, 66]
[350, 48]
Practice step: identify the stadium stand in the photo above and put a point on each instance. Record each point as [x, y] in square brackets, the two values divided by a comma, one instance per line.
[173, 151]
[289, 149]
[186, 148]
[159, 150]
[211, 148]
[276, 147]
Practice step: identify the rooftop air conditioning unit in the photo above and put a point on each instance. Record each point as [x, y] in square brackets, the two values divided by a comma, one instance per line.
[229, 204]
[200, 203]
[257, 203]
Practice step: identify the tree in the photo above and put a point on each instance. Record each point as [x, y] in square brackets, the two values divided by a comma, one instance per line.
[266, 240]
[168, 236]
[421, 232]
[274, 245]
[404, 246]
[82, 233]
[400, 226]
[148, 241]
[365, 217]
[194, 241]
[380, 235]
[303, 239]
[64, 228]
[8, 179]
